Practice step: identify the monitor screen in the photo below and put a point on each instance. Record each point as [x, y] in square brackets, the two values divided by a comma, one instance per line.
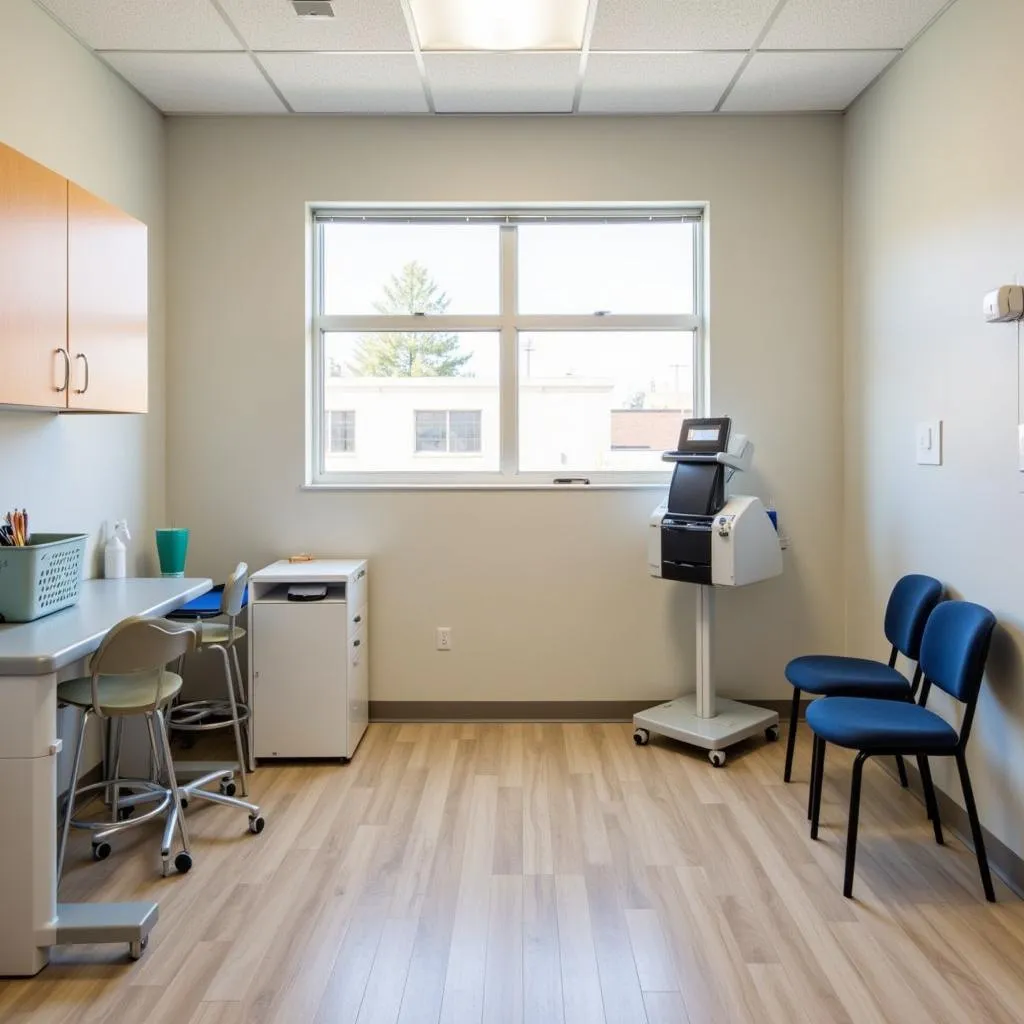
[703, 433]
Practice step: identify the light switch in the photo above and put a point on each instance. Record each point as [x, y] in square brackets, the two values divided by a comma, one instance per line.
[929, 443]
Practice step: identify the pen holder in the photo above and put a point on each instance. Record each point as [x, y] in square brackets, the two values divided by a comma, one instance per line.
[171, 549]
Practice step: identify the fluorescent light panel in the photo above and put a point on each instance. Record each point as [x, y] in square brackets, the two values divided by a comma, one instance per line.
[500, 24]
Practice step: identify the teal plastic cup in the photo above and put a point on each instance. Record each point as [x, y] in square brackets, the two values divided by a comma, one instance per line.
[171, 549]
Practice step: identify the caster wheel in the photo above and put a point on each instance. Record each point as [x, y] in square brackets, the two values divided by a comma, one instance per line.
[136, 949]
[641, 737]
[717, 758]
[183, 863]
[257, 824]
[184, 802]
[771, 734]
[228, 788]
[100, 851]
[125, 813]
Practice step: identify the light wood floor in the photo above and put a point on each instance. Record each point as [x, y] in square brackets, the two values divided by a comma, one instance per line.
[545, 874]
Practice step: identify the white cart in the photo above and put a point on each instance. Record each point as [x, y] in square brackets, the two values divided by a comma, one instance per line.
[308, 660]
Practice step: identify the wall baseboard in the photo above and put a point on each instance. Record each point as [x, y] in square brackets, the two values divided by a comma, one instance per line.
[523, 710]
[1001, 859]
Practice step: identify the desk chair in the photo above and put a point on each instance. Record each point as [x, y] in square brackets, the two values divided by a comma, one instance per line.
[953, 654]
[827, 675]
[221, 713]
[129, 677]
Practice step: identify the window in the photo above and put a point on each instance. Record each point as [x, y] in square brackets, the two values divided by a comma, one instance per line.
[447, 430]
[341, 431]
[520, 346]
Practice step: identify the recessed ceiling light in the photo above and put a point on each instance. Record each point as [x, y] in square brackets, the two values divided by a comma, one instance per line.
[500, 24]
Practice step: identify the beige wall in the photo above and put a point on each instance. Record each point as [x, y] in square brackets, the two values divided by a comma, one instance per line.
[934, 165]
[547, 593]
[62, 107]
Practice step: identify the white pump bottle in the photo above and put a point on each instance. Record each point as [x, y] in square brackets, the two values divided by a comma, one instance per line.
[115, 553]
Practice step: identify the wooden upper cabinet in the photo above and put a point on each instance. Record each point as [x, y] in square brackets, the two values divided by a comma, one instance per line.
[33, 282]
[107, 327]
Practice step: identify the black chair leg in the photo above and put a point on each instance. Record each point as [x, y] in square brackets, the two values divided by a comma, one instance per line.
[851, 827]
[929, 796]
[817, 783]
[794, 714]
[902, 769]
[972, 814]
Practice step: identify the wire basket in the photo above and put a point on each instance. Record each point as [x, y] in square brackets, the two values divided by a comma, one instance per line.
[42, 577]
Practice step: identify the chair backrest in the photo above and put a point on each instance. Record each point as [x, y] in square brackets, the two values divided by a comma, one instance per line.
[234, 591]
[139, 646]
[954, 651]
[910, 604]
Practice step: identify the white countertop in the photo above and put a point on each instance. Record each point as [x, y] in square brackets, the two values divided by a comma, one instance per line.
[320, 570]
[50, 643]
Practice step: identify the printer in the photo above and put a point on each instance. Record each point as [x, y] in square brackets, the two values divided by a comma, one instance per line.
[699, 535]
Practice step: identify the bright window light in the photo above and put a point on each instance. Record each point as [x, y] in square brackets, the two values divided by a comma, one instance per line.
[500, 24]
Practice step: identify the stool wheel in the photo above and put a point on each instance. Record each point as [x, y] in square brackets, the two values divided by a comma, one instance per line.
[100, 851]
[124, 813]
[228, 787]
[256, 824]
[183, 862]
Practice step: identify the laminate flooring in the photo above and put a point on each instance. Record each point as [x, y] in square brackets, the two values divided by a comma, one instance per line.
[544, 874]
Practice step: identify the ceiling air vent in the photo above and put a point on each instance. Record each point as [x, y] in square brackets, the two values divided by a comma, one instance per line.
[313, 8]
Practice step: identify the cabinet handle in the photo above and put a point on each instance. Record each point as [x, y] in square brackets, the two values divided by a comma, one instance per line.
[358, 619]
[356, 643]
[67, 370]
[85, 359]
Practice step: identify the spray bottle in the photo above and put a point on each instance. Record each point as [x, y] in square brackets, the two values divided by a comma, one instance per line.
[115, 554]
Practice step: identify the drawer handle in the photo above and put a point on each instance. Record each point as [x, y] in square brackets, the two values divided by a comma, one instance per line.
[356, 643]
[358, 618]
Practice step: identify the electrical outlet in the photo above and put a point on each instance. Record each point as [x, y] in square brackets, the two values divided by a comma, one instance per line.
[444, 638]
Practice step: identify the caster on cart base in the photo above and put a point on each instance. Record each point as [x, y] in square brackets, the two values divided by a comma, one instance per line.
[717, 758]
[641, 737]
[771, 734]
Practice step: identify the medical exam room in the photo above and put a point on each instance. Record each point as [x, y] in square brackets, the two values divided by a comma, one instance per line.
[511, 512]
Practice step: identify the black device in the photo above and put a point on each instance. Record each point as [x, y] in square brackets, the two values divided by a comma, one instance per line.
[695, 496]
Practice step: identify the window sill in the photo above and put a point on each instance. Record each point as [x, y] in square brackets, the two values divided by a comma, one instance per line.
[503, 486]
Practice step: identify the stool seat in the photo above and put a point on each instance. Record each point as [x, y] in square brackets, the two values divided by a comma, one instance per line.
[220, 633]
[121, 694]
[881, 726]
[829, 675]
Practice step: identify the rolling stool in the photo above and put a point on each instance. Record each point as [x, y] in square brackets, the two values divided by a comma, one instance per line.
[220, 713]
[129, 677]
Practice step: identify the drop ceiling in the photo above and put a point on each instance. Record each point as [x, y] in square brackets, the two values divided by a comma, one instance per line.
[636, 56]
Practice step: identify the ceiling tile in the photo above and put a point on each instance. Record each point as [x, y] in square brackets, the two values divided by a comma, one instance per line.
[348, 83]
[502, 83]
[806, 81]
[850, 24]
[679, 24]
[356, 25]
[145, 24]
[656, 83]
[198, 83]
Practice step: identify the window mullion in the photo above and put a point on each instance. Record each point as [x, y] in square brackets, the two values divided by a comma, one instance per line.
[508, 404]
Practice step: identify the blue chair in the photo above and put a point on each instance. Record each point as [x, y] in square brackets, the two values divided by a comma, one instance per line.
[953, 654]
[827, 675]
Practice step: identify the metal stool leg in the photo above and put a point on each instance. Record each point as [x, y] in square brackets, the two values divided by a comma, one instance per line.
[794, 714]
[235, 724]
[70, 803]
[184, 859]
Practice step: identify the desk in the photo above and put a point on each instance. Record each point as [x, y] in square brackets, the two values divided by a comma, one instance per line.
[32, 657]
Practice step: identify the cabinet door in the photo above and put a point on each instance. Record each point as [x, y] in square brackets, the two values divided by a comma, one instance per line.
[107, 306]
[33, 282]
[299, 652]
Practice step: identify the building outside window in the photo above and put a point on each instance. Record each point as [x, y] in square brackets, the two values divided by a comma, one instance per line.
[341, 431]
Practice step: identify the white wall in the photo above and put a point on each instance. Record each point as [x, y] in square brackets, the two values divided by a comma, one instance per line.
[62, 107]
[934, 219]
[547, 593]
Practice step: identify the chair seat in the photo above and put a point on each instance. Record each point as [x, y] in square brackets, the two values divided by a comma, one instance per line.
[120, 695]
[220, 633]
[881, 725]
[830, 675]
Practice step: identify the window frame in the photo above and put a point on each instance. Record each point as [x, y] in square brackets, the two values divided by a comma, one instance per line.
[506, 324]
